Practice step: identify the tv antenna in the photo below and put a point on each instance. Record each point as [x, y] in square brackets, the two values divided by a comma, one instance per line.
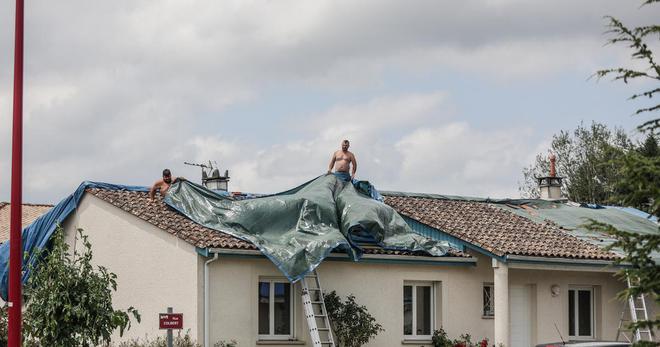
[206, 169]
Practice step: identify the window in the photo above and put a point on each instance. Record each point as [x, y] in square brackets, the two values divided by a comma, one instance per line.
[275, 310]
[581, 313]
[418, 312]
[489, 300]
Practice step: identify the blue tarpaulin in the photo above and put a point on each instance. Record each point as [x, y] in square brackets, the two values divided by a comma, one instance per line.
[37, 234]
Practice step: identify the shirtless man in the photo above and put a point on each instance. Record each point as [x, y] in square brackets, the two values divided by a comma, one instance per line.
[164, 184]
[342, 160]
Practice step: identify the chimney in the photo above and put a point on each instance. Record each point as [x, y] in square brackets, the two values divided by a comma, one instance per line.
[215, 181]
[211, 178]
[550, 186]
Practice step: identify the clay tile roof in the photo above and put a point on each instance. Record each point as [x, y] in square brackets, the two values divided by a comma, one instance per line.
[164, 217]
[29, 212]
[159, 214]
[494, 229]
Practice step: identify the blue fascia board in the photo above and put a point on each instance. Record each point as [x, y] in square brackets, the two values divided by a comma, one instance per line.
[437, 234]
[204, 252]
[482, 251]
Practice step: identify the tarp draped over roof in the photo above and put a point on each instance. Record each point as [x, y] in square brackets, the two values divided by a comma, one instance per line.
[573, 220]
[298, 228]
[569, 218]
[37, 234]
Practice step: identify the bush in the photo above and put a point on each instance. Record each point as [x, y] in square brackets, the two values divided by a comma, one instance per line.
[160, 341]
[352, 325]
[440, 339]
[3, 325]
[179, 341]
[69, 301]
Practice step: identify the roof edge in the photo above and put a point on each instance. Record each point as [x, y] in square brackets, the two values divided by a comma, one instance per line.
[512, 258]
[390, 258]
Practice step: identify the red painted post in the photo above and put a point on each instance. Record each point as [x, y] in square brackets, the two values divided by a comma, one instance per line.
[15, 242]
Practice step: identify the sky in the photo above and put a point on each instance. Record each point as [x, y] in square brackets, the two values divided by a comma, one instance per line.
[449, 97]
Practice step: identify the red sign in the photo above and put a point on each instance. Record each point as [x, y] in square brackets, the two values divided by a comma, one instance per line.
[170, 320]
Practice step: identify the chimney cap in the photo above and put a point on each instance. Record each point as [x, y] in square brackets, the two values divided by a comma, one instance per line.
[553, 168]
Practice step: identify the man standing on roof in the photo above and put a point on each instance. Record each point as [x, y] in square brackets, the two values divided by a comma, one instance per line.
[343, 161]
[163, 184]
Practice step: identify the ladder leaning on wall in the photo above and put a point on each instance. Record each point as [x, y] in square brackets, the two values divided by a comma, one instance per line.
[318, 321]
[638, 311]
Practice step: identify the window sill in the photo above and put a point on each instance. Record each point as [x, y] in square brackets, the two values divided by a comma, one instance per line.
[280, 342]
[417, 342]
[487, 317]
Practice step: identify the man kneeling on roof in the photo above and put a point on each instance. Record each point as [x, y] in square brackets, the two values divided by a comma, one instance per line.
[163, 184]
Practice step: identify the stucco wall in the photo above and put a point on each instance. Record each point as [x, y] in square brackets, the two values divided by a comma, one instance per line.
[551, 310]
[155, 269]
[380, 288]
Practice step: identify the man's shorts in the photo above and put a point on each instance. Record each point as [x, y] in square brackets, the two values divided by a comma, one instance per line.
[342, 175]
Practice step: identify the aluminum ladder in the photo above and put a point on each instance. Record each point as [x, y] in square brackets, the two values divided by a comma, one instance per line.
[318, 321]
[638, 311]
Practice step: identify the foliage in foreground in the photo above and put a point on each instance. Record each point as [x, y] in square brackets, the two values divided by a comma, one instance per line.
[440, 339]
[639, 175]
[352, 324]
[178, 341]
[69, 301]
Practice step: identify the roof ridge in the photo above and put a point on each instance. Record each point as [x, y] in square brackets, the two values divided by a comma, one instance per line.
[457, 197]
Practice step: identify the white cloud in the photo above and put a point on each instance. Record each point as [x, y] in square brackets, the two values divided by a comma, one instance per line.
[452, 157]
[117, 90]
[459, 159]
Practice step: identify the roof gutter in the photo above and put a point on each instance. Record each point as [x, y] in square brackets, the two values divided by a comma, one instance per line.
[522, 261]
[377, 258]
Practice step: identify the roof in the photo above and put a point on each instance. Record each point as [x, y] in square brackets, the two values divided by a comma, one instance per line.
[492, 228]
[157, 213]
[29, 212]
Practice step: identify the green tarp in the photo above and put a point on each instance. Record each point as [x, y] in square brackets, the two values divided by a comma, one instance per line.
[572, 220]
[298, 228]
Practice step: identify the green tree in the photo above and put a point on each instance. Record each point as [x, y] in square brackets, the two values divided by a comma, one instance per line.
[639, 169]
[582, 159]
[69, 301]
[352, 324]
[637, 40]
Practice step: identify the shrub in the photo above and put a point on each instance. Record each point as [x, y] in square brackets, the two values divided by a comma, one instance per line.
[69, 301]
[440, 339]
[179, 341]
[352, 325]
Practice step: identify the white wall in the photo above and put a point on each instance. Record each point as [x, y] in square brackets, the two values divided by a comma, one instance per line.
[550, 310]
[155, 269]
[380, 288]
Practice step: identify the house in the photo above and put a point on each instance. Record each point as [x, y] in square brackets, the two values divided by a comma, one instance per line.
[510, 277]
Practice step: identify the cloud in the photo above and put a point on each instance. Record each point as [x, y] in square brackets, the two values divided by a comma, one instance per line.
[118, 90]
[459, 159]
[453, 157]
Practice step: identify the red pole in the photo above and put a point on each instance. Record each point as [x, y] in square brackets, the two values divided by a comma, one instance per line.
[15, 242]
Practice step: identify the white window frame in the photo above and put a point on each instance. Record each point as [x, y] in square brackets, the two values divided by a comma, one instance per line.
[576, 318]
[491, 313]
[271, 310]
[414, 286]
